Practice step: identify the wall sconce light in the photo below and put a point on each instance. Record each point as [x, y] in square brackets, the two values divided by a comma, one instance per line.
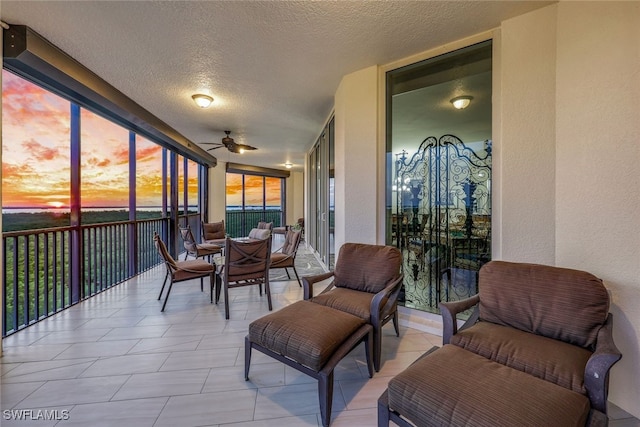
[202, 100]
[461, 102]
[288, 165]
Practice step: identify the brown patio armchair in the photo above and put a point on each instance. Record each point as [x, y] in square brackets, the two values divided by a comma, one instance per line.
[181, 271]
[245, 263]
[366, 283]
[214, 232]
[195, 249]
[285, 257]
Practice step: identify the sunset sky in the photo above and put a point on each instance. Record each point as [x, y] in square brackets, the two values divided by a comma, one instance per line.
[35, 154]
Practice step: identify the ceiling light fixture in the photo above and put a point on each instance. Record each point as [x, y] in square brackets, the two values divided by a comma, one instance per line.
[202, 100]
[288, 165]
[461, 102]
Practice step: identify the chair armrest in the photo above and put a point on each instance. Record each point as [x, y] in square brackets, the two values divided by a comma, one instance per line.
[388, 296]
[596, 372]
[449, 312]
[309, 281]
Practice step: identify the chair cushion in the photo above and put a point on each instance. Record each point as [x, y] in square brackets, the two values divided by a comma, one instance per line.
[259, 233]
[435, 391]
[281, 260]
[368, 268]
[210, 247]
[192, 269]
[568, 305]
[291, 242]
[551, 360]
[344, 299]
[305, 332]
[213, 230]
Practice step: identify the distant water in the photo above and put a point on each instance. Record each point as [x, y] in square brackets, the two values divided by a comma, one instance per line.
[67, 210]
[112, 209]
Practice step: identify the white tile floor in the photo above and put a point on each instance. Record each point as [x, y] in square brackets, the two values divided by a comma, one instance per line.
[116, 360]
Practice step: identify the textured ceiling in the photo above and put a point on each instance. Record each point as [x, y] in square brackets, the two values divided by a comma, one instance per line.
[271, 66]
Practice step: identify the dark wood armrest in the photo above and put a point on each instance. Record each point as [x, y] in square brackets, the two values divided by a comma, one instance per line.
[309, 281]
[389, 295]
[449, 312]
[596, 372]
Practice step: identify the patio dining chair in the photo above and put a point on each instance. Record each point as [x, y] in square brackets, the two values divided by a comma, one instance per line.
[245, 263]
[196, 249]
[285, 257]
[181, 271]
[214, 232]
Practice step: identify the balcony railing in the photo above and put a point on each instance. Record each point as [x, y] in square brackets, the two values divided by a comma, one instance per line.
[238, 223]
[42, 275]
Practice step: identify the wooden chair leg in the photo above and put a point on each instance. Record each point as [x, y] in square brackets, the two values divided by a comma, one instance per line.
[267, 290]
[395, 322]
[247, 357]
[325, 394]
[226, 301]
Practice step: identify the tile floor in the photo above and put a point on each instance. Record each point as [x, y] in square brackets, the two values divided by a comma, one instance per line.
[116, 360]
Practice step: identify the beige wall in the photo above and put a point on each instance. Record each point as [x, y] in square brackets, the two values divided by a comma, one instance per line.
[598, 152]
[217, 192]
[295, 197]
[524, 155]
[566, 111]
[569, 154]
[356, 118]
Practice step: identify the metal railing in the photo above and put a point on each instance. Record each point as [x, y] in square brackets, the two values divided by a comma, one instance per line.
[43, 275]
[48, 270]
[238, 223]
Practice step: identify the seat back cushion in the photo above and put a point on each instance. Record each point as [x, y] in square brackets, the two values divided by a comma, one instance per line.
[368, 268]
[213, 230]
[559, 303]
[259, 233]
[291, 242]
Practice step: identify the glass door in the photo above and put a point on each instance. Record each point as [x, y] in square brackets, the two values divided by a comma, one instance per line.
[321, 227]
[439, 173]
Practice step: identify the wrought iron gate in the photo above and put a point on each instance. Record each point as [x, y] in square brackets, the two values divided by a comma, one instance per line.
[441, 219]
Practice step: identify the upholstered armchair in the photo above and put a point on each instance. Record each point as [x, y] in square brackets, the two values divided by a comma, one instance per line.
[536, 350]
[366, 283]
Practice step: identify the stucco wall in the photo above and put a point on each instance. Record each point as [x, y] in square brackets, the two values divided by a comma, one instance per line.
[356, 191]
[598, 152]
[217, 192]
[525, 143]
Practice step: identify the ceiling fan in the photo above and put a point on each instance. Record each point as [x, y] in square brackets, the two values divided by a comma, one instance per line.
[231, 145]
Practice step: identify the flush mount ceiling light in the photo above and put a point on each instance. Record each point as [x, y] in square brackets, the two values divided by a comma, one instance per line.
[288, 165]
[202, 100]
[461, 102]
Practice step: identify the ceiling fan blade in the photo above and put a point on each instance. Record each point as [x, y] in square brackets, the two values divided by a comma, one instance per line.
[246, 147]
[214, 148]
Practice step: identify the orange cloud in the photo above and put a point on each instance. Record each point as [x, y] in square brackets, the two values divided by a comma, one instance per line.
[39, 151]
[94, 161]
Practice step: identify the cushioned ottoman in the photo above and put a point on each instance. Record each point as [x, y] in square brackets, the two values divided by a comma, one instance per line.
[434, 391]
[312, 339]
